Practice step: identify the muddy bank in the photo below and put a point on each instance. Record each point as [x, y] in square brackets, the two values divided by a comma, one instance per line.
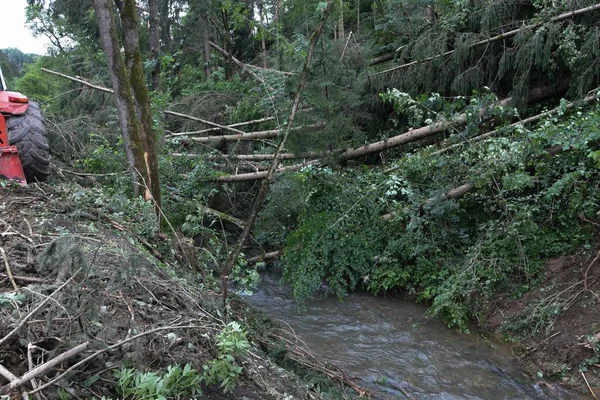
[555, 328]
[77, 286]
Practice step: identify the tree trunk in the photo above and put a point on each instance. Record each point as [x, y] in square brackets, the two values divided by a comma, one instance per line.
[123, 96]
[263, 44]
[342, 34]
[141, 158]
[205, 44]
[154, 31]
[141, 97]
[165, 23]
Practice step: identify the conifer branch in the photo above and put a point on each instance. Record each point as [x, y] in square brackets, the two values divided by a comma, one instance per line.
[501, 36]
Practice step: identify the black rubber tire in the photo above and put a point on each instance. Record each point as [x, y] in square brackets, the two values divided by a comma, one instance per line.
[28, 133]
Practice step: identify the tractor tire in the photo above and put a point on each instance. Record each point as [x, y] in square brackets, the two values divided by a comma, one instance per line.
[28, 133]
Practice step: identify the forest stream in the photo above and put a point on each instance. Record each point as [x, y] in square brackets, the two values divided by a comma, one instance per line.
[397, 352]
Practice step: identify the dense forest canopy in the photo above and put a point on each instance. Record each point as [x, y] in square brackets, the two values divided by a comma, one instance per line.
[430, 151]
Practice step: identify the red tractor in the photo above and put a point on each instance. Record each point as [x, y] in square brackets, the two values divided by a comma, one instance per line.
[24, 150]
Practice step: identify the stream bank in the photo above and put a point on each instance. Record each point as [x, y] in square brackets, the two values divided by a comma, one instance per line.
[555, 328]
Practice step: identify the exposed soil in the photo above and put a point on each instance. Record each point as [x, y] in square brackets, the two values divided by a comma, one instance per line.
[107, 287]
[557, 325]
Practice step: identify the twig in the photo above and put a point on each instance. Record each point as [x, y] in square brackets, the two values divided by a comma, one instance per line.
[42, 303]
[8, 270]
[131, 313]
[588, 385]
[114, 346]
[587, 270]
[7, 374]
[28, 279]
[346, 46]
[30, 348]
[46, 366]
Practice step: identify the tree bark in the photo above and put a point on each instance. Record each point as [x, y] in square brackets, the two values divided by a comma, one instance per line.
[263, 44]
[205, 44]
[131, 96]
[268, 134]
[123, 95]
[154, 31]
[341, 34]
[141, 98]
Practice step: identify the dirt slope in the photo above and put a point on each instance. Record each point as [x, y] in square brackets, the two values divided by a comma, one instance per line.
[106, 287]
[557, 325]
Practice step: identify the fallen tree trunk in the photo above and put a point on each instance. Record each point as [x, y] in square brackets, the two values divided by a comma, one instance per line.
[501, 36]
[535, 94]
[268, 134]
[381, 59]
[246, 123]
[262, 174]
[260, 157]
[407, 137]
[266, 256]
[219, 126]
[452, 194]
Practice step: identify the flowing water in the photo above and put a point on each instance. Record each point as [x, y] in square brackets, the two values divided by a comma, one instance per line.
[397, 352]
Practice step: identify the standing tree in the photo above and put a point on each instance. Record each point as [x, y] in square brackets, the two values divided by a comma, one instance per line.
[131, 94]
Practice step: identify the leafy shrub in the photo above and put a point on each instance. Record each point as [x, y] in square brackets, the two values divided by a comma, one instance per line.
[176, 383]
[231, 342]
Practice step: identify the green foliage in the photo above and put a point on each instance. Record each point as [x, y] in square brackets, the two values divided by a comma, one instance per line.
[186, 382]
[12, 299]
[176, 383]
[231, 342]
[338, 231]
[455, 255]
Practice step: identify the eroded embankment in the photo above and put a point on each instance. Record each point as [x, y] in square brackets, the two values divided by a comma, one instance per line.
[556, 326]
[78, 288]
